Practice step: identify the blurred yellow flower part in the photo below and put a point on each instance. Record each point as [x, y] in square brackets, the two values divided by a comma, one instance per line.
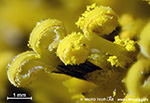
[145, 40]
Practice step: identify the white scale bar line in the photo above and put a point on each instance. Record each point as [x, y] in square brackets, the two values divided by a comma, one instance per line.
[19, 98]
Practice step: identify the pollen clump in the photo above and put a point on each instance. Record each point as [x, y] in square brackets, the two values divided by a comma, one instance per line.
[127, 43]
[114, 61]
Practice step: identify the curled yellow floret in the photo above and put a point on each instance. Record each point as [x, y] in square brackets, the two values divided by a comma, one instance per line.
[100, 20]
[74, 49]
[47, 35]
[137, 80]
[24, 68]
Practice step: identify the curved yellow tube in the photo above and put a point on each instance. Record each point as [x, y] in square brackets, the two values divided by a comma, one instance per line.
[137, 80]
[47, 35]
[24, 68]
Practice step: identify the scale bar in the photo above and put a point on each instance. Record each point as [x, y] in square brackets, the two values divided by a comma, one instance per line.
[19, 98]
